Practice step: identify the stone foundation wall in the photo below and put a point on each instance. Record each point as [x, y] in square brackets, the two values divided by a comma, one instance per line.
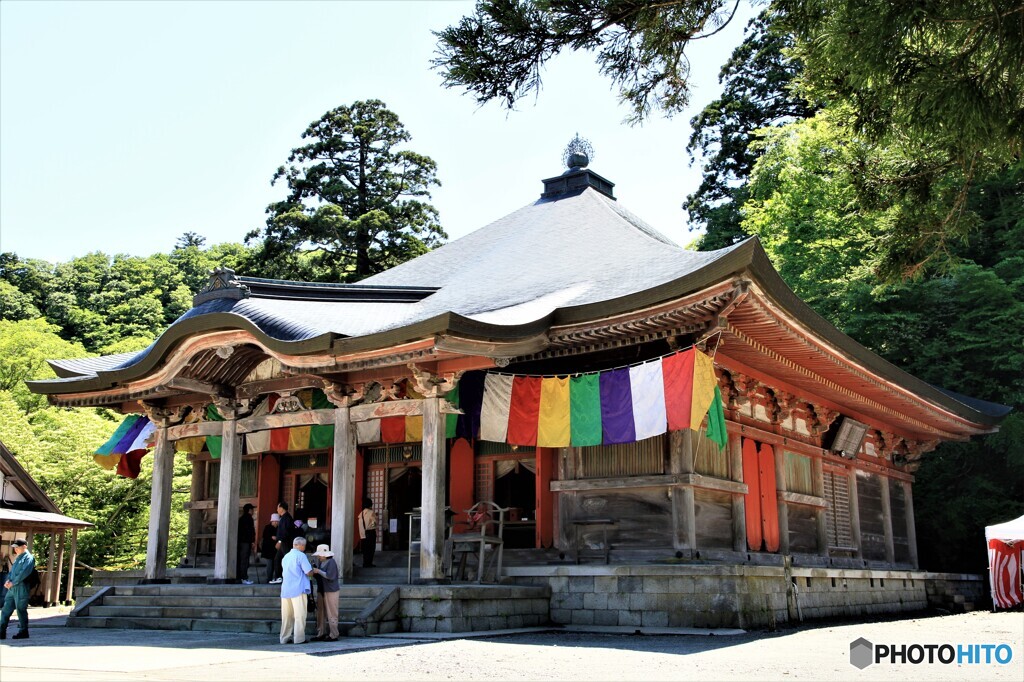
[437, 608]
[958, 592]
[719, 596]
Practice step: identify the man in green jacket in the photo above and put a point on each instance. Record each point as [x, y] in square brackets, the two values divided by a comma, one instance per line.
[17, 590]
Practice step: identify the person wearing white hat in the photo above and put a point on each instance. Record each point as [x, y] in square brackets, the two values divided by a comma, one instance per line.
[326, 573]
[268, 547]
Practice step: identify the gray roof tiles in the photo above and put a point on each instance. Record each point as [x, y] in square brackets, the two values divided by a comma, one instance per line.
[577, 249]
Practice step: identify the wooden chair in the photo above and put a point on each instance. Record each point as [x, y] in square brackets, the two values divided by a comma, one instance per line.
[483, 536]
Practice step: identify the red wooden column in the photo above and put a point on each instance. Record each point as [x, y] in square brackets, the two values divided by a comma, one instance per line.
[269, 490]
[752, 506]
[460, 491]
[545, 500]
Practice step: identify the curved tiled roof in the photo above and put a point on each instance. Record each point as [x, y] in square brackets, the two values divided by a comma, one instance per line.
[498, 276]
[567, 259]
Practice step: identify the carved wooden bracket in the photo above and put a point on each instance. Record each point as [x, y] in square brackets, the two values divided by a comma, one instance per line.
[728, 388]
[746, 388]
[822, 418]
[232, 409]
[432, 385]
[889, 443]
[343, 395]
[164, 416]
[287, 403]
[783, 406]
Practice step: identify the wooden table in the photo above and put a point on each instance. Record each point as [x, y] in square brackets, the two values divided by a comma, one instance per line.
[581, 526]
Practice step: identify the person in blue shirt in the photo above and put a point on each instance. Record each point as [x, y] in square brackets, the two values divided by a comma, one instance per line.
[16, 598]
[295, 588]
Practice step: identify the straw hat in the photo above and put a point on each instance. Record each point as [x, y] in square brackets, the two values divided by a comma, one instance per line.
[323, 551]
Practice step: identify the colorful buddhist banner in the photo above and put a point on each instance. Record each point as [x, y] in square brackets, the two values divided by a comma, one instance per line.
[124, 450]
[621, 405]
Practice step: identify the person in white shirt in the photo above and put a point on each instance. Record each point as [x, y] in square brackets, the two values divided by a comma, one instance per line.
[295, 588]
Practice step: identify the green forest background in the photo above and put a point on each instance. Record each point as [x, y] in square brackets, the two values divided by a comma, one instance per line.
[843, 212]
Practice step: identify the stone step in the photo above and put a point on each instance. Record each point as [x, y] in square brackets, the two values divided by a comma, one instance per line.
[351, 589]
[216, 612]
[215, 625]
[167, 600]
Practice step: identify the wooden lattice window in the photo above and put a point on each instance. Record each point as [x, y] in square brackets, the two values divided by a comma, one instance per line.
[709, 459]
[483, 480]
[376, 481]
[837, 513]
[641, 458]
[247, 486]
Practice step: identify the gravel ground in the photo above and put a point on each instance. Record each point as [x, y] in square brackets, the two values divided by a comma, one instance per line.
[818, 652]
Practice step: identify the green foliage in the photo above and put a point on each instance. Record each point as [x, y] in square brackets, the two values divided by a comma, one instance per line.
[55, 446]
[499, 51]
[25, 346]
[98, 301]
[939, 84]
[756, 94]
[353, 207]
[109, 305]
[961, 327]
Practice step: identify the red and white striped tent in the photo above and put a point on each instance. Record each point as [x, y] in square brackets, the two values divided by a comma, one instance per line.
[1005, 541]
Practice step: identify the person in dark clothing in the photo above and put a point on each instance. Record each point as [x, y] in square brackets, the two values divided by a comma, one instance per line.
[246, 544]
[268, 546]
[368, 531]
[285, 534]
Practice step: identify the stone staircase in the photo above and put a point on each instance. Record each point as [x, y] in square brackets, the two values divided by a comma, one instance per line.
[362, 609]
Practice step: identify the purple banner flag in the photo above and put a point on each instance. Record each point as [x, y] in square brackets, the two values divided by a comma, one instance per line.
[617, 407]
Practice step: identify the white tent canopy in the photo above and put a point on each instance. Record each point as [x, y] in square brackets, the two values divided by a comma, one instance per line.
[1009, 531]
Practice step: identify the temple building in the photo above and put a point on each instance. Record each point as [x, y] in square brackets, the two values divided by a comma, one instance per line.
[467, 374]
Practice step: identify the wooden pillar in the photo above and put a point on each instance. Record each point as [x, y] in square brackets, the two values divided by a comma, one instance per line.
[197, 491]
[72, 560]
[821, 521]
[60, 564]
[48, 595]
[890, 548]
[739, 504]
[684, 517]
[781, 485]
[432, 522]
[160, 508]
[855, 515]
[908, 500]
[30, 537]
[227, 500]
[343, 489]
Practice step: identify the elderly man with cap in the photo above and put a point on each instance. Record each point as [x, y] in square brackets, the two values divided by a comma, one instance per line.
[268, 547]
[16, 598]
[295, 589]
[329, 586]
[246, 544]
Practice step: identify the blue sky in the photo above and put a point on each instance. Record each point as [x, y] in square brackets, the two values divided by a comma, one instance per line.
[125, 124]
